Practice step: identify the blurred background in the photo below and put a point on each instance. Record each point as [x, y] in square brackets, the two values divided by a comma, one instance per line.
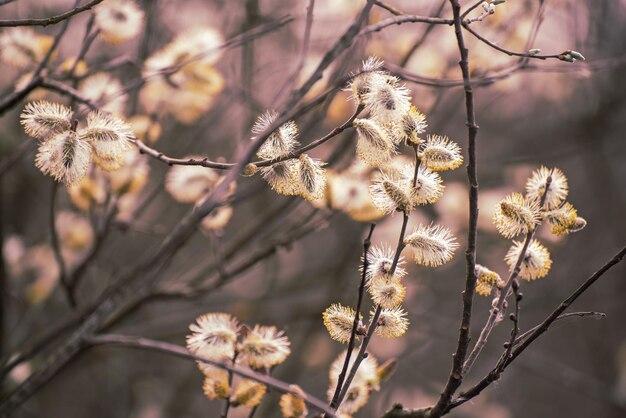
[282, 261]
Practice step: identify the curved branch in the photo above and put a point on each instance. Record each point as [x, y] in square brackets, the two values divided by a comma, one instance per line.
[404, 19]
[178, 351]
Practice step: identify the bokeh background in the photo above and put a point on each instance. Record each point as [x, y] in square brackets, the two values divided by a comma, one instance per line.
[551, 113]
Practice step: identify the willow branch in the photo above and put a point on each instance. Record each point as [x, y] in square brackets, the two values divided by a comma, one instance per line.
[404, 19]
[456, 374]
[486, 41]
[178, 351]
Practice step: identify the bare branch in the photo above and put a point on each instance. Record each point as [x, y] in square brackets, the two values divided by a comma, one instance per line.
[49, 20]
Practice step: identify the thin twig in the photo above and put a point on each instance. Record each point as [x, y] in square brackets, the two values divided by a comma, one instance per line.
[404, 19]
[493, 314]
[585, 314]
[205, 162]
[517, 297]
[417, 45]
[357, 314]
[49, 20]
[56, 248]
[504, 50]
[536, 332]
[388, 7]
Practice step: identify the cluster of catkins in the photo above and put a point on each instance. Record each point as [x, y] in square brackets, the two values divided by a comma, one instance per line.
[399, 186]
[221, 337]
[521, 214]
[66, 152]
[391, 121]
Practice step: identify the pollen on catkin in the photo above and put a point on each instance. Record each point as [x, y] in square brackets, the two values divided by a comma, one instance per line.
[21, 47]
[374, 146]
[439, 153]
[359, 85]
[248, 393]
[338, 320]
[216, 384]
[264, 347]
[366, 375]
[217, 219]
[283, 177]
[557, 192]
[563, 219]
[536, 262]
[108, 135]
[292, 404]
[106, 91]
[432, 245]
[516, 214]
[392, 322]
[387, 293]
[486, 279]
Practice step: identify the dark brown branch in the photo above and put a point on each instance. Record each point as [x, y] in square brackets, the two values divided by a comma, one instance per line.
[178, 351]
[40, 342]
[49, 20]
[456, 374]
